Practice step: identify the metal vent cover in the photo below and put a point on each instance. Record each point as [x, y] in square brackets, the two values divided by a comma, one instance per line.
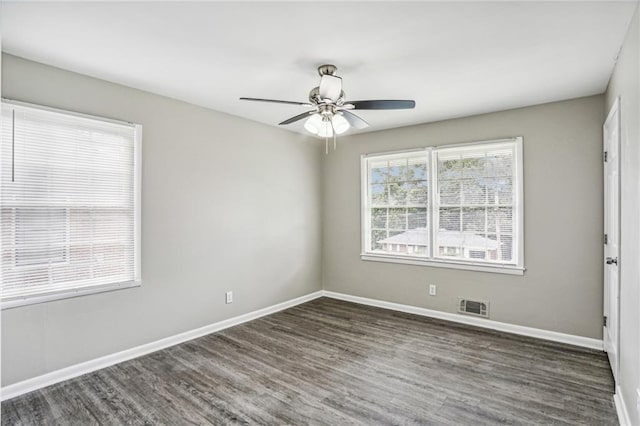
[478, 308]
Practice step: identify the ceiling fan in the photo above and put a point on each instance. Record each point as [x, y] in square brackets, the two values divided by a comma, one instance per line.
[330, 113]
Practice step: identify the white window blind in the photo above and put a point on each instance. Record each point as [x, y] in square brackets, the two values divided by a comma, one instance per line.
[476, 198]
[397, 204]
[69, 203]
[451, 206]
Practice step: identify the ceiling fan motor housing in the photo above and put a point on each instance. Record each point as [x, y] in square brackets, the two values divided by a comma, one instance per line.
[330, 87]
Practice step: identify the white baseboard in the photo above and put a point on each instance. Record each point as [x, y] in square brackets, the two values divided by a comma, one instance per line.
[478, 322]
[621, 408]
[35, 383]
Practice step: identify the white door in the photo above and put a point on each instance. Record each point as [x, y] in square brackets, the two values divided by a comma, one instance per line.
[612, 236]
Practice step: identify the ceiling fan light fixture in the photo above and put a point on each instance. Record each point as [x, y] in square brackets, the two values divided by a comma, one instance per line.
[326, 130]
[340, 124]
[325, 126]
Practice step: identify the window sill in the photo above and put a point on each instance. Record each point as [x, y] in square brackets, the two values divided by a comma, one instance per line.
[438, 263]
[66, 294]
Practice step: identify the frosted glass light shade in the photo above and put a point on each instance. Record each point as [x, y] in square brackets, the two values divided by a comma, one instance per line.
[314, 124]
[340, 124]
[324, 126]
[325, 130]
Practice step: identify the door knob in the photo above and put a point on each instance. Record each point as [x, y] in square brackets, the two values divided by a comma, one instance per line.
[612, 260]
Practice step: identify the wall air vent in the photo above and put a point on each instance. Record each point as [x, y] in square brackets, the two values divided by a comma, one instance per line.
[473, 307]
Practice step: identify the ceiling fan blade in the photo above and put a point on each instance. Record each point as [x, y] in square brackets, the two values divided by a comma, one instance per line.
[383, 104]
[330, 87]
[276, 101]
[354, 120]
[296, 118]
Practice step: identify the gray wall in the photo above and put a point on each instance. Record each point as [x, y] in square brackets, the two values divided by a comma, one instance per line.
[227, 204]
[561, 289]
[624, 84]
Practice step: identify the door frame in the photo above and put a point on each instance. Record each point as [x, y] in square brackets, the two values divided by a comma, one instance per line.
[615, 108]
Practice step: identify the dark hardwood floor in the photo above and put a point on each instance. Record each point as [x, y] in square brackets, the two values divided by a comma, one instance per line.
[329, 362]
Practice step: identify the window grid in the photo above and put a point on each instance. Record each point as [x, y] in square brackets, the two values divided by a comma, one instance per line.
[484, 209]
[401, 211]
[483, 153]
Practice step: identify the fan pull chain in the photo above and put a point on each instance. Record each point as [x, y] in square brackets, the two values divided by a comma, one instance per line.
[326, 145]
[333, 130]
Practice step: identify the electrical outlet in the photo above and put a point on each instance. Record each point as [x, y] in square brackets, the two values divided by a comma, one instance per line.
[228, 297]
[432, 289]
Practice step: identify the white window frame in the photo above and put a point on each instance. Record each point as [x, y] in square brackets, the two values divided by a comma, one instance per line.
[83, 291]
[516, 268]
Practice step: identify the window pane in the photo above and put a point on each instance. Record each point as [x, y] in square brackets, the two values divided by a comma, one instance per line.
[417, 169]
[500, 219]
[417, 218]
[505, 249]
[499, 163]
[397, 194]
[377, 238]
[450, 219]
[473, 191]
[449, 167]
[397, 218]
[473, 219]
[477, 254]
[379, 218]
[412, 241]
[473, 165]
[500, 190]
[417, 196]
[397, 169]
[465, 245]
[379, 194]
[379, 172]
[493, 247]
[477, 180]
[417, 192]
[505, 220]
[504, 188]
[492, 218]
[401, 184]
[449, 192]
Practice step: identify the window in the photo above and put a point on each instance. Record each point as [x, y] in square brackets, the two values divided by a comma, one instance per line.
[398, 204]
[69, 206]
[453, 206]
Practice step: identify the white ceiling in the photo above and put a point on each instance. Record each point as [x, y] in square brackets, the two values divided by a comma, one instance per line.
[455, 59]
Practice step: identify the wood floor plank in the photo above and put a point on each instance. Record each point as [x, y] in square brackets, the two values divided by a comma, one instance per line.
[330, 362]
